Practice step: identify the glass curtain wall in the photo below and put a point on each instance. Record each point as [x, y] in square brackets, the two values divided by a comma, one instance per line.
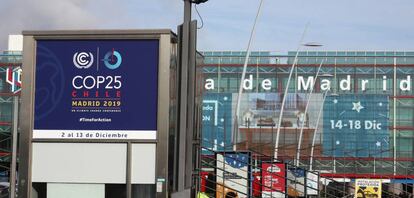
[361, 82]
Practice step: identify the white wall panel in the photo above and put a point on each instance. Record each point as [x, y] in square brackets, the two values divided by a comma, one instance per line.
[79, 163]
[143, 163]
[55, 190]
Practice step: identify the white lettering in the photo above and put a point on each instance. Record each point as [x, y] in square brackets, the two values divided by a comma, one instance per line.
[345, 84]
[248, 81]
[266, 84]
[405, 85]
[117, 80]
[325, 84]
[206, 118]
[73, 82]
[209, 84]
[91, 82]
[309, 83]
[100, 80]
[364, 84]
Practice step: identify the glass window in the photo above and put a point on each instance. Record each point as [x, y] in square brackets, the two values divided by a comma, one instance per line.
[234, 84]
[410, 58]
[389, 57]
[224, 83]
[253, 60]
[340, 59]
[380, 59]
[405, 113]
[370, 58]
[404, 147]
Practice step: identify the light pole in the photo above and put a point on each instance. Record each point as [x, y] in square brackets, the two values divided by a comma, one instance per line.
[246, 61]
[287, 89]
[316, 128]
[305, 113]
[284, 96]
[185, 165]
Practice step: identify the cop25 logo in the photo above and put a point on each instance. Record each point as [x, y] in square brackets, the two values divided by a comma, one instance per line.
[83, 60]
[112, 59]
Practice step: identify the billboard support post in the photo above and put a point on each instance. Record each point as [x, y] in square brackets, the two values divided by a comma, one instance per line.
[186, 117]
[14, 150]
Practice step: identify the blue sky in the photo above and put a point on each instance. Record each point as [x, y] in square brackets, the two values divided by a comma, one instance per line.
[338, 24]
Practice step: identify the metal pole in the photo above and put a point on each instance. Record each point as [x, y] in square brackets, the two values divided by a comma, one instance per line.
[246, 61]
[316, 130]
[129, 171]
[183, 91]
[395, 115]
[14, 149]
[286, 92]
[187, 12]
[306, 111]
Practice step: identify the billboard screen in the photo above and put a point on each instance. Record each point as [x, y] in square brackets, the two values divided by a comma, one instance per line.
[296, 181]
[312, 183]
[233, 172]
[96, 89]
[273, 179]
[356, 126]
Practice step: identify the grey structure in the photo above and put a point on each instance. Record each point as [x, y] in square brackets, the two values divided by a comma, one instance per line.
[167, 50]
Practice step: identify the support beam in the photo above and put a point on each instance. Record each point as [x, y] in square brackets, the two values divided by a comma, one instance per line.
[14, 147]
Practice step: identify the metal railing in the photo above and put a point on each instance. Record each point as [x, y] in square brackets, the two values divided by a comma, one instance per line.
[336, 174]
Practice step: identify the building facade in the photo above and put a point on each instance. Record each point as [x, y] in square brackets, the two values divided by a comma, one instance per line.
[352, 118]
[10, 62]
[357, 122]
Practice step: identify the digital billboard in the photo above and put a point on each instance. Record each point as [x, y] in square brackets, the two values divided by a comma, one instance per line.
[96, 89]
[356, 126]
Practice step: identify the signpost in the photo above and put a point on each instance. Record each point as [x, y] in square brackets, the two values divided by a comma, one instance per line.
[368, 188]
